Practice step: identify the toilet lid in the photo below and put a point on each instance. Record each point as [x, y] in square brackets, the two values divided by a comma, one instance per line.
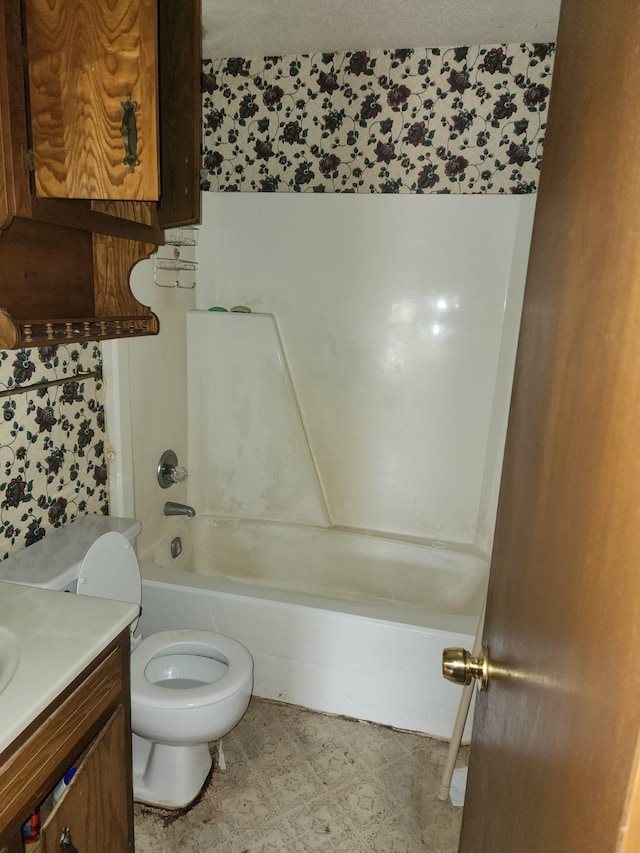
[110, 570]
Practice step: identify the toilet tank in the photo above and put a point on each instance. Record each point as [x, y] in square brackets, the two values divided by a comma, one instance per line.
[54, 561]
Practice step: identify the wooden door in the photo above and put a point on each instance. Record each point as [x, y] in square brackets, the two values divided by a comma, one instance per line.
[93, 74]
[96, 805]
[554, 758]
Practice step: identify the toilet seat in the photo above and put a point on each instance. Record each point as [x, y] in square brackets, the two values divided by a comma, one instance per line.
[110, 570]
[189, 642]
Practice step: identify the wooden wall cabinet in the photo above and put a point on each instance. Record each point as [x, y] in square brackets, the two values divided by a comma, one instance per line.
[93, 92]
[87, 727]
[74, 216]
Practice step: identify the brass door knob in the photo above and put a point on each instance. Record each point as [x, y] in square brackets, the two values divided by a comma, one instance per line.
[459, 666]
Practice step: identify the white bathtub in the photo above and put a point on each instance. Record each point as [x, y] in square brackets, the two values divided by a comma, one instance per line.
[336, 621]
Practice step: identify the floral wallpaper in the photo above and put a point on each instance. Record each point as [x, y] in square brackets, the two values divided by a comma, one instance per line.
[52, 443]
[439, 120]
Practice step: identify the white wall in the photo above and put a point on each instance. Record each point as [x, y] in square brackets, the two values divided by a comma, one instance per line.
[146, 382]
[399, 317]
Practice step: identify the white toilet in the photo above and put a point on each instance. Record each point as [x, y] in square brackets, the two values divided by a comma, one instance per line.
[188, 687]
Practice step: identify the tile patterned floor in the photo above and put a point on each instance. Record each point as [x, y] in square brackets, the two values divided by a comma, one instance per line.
[297, 781]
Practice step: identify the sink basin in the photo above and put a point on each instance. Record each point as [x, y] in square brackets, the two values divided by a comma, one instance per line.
[9, 654]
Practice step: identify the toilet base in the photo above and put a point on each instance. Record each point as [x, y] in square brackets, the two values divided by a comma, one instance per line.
[170, 777]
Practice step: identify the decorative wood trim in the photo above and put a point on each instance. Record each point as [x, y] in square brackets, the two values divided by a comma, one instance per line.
[113, 260]
[15, 334]
[10, 332]
[47, 332]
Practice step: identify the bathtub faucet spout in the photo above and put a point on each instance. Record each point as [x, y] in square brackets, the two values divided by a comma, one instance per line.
[173, 508]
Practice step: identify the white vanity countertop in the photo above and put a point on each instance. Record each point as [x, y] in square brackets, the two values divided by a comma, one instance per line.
[59, 634]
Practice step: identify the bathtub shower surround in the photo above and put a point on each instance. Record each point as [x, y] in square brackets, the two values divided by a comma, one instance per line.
[396, 313]
[52, 443]
[438, 120]
[248, 448]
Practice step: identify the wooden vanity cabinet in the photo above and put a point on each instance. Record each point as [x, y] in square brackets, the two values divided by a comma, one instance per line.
[74, 217]
[87, 727]
[91, 828]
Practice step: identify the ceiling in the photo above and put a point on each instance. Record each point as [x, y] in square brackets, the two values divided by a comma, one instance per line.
[276, 27]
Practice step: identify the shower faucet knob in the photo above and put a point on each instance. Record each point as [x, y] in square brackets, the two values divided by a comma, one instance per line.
[169, 472]
[178, 474]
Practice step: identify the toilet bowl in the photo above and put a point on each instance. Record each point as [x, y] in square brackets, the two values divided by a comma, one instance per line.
[188, 687]
[176, 678]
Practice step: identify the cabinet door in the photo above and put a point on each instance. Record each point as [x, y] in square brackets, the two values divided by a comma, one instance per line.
[95, 806]
[93, 98]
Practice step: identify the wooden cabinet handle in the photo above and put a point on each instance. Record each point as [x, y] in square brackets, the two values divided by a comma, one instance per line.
[66, 844]
[129, 131]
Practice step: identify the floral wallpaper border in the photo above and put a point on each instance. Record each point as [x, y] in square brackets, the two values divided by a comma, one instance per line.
[52, 443]
[439, 120]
